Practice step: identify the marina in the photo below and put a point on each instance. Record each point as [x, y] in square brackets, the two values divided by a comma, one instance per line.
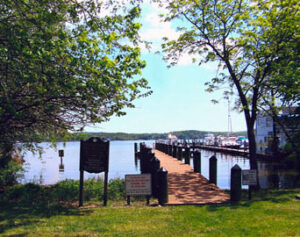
[50, 169]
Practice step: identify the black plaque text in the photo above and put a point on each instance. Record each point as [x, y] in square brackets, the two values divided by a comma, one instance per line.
[94, 155]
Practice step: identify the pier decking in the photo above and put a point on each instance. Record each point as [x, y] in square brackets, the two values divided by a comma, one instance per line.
[187, 187]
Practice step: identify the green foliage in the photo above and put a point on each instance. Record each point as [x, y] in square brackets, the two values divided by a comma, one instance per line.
[292, 151]
[10, 173]
[116, 189]
[66, 191]
[65, 64]
[249, 39]
[292, 161]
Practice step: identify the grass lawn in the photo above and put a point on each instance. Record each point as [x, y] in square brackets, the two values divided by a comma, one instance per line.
[270, 213]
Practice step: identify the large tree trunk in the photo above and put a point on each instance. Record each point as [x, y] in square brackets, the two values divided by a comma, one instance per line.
[252, 150]
[252, 147]
[249, 117]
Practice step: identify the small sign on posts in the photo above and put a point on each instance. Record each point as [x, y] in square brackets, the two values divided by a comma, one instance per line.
[138, 185]
[94, 158]
[249, 177]
[60, 153]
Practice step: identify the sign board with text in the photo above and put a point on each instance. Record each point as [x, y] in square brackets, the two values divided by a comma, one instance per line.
[138, 184]
[249, 177]
[94, 157]
[60, 153]
[94, 154]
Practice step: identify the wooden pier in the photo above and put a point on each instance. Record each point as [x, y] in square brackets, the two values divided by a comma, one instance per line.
[231, 151]
[185, 187]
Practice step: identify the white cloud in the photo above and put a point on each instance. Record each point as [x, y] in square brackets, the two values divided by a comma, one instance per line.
[158, 29]
[212, 66]
[154, 19]
[185, 59]
[160, 7]
[154, 29]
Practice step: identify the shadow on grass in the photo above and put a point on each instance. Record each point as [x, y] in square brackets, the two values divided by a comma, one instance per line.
[16, 214]
[23, 205]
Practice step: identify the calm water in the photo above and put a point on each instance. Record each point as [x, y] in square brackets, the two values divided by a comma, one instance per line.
[270, 174]
[49, 169]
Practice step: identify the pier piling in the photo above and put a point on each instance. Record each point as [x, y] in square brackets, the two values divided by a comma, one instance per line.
[213, 170]
[235, 184]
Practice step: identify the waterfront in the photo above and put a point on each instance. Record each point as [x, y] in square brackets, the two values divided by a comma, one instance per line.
[49, 169]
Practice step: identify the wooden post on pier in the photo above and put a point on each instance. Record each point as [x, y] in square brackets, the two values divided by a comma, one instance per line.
[164, 149]
[197, 162]
[187, 155]
[135, 148]
[170, 150]
[174, 151]
[179, 152]
[163, 186]
[213, 170]
[235, 184]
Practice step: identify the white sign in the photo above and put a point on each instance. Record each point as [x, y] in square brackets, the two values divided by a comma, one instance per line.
[138, 184]
[249, 177]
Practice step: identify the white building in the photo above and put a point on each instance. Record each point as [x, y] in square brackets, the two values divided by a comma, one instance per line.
[264, 131]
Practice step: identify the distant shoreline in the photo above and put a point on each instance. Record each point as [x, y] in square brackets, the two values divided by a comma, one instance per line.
[120, 136]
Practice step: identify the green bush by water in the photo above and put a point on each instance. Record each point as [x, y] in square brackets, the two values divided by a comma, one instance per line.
[64, 191]
[9, 173]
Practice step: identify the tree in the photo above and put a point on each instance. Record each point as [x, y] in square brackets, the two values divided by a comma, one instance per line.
[64, 64]
[282, 102]
[247, 38]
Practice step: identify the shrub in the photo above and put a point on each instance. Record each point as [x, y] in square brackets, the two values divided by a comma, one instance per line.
[64, 191]
[9, 174]
[116, 189]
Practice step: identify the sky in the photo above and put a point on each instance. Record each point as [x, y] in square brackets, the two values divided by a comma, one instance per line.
[179, 100]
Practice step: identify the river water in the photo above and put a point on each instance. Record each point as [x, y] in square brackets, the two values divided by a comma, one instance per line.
[50, 169]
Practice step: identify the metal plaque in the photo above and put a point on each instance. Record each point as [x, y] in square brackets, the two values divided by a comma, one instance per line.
[94, 155]
[249, 177]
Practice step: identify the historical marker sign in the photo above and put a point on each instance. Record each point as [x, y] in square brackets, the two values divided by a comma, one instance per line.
[94, 155]
[94, 158]
[249, 177]
[139, 184]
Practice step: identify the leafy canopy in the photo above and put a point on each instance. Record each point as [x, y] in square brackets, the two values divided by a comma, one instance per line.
[249, 39]
[64, 64]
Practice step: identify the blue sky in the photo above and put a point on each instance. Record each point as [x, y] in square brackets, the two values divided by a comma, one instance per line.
[179, 100]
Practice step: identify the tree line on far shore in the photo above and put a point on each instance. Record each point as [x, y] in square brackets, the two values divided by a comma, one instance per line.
[188, 134]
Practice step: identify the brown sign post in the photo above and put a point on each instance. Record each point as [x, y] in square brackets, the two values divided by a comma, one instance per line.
[94, 158]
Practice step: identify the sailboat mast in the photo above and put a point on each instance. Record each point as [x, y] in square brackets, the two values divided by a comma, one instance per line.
[229, 120]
